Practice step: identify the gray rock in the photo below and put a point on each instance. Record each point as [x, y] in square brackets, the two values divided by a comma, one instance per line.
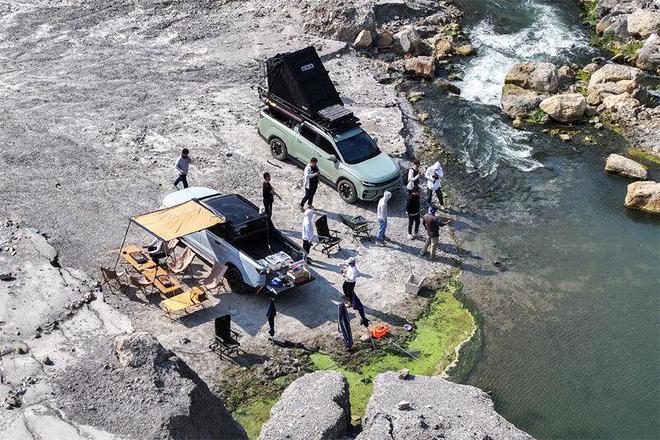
[518, 102]
[567, 107]
[313, 407]
[644, 196]
[539, 77]
[648, 56]
[404, 374]
[643, 22]
[137, 349]
[408, 40]
[421, 66]
[363, 40]
[442, 409]
[626, 167]
[614, 73]
[404, 405]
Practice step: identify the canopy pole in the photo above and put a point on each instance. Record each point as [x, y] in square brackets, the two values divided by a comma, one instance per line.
[122, 244]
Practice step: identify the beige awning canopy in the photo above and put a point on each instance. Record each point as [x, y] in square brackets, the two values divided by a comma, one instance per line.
[179, 220]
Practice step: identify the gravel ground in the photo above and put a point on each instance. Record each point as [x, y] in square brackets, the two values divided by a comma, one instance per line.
[98, 98]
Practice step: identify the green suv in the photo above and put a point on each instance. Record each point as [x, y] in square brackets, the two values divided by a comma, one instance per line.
[349, 161]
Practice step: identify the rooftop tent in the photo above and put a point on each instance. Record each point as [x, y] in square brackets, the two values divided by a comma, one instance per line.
[179, 220]
[300, 79]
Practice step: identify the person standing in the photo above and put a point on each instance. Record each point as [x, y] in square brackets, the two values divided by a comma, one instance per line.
[268, 194]
[413, 177]
[381, 214]
[433, 175]
[432, 225]
[308, 232]
[350, 274]
[311, 176]
[412, 209]
[182, 165]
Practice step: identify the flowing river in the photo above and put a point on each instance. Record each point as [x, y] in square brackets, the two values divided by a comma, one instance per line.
[566, 278]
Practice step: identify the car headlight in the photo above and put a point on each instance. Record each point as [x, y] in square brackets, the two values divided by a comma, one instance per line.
[369, 183]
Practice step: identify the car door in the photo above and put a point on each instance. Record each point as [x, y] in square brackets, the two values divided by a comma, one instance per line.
[304, 143]
[317, 145]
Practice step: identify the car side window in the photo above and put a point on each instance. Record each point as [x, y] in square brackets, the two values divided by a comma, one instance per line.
[326, 145]
[308, 134]
[219, 230]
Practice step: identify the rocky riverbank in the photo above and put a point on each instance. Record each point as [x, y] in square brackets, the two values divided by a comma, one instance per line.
[615, 93]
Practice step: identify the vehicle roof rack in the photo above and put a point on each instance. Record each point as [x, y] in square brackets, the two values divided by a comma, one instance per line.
[299, 85]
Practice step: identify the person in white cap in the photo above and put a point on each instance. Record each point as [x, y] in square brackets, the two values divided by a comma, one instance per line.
[433, 184]
[350, 274]
[381, 214]
[308, 232]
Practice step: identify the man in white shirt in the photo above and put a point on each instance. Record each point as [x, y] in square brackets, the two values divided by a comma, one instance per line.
[311, 176]
[433, 175]
[381, 214]
[350, 274]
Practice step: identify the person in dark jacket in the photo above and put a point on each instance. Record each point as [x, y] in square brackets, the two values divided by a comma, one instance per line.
[432, 225]
[412, 209]
[269, 195]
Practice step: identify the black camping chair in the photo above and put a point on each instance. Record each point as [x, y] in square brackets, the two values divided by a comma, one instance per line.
[358, 226]
[226, 339]
[328, 238]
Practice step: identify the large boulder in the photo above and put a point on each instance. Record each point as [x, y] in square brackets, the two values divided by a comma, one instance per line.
[644, 22]
[612, 79]
[614, 73]
[518, 102]
[421, 66]
[623, 166]
[423, 407]
[644, 196]
[539, 77]
[648, 56]
[567, 107]
[443, 46]
[363, 40]
[597, 92]
[623, 103]
[314, 407]
[143, 391]
[407, 40]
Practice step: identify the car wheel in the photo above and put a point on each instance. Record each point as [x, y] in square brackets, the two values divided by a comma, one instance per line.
[347, 191]
[278, 149]
[234, 280]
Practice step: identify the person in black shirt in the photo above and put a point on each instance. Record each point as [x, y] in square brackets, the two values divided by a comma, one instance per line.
[412, 209]
[268, 192]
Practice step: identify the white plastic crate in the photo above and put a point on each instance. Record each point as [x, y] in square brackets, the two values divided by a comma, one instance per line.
[414, 284]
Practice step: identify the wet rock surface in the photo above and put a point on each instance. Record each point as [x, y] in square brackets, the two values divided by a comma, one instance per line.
[644, 196]
[618, 164]
[421, 407]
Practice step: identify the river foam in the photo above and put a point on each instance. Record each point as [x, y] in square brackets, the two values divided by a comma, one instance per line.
[548, 37]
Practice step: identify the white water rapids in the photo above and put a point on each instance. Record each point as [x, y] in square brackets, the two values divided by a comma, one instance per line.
[547, 38]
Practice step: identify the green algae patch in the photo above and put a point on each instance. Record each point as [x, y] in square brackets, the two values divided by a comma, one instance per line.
[431, 347]
[636, 153]
[253, 415]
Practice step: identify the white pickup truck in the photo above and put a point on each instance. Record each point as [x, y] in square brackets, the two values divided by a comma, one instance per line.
[256, 253]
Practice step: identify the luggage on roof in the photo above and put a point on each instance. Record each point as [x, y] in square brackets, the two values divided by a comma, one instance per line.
[300, 81]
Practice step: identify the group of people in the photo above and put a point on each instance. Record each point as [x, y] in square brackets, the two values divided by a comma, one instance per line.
[430, 221]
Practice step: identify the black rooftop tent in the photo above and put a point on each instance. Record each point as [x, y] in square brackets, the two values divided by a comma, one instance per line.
[300, 79]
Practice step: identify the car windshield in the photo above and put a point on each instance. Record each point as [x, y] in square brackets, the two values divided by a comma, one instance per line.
[358, 148]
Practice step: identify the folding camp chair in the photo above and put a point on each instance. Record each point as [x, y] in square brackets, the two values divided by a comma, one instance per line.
[140, 283]
[215, 279]
[183, 262]
[110, 277]
[328, 238]
[226, 339]
[358, 226]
